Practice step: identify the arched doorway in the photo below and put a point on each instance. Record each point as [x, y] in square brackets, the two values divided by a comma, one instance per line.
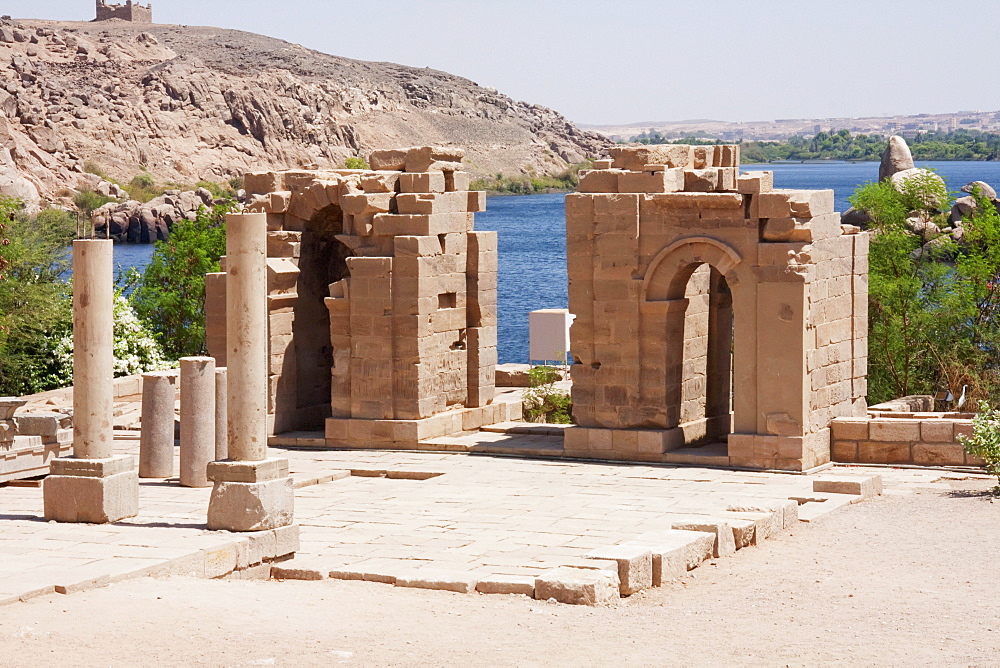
[705, 410]
[322, 261]
[690, 302]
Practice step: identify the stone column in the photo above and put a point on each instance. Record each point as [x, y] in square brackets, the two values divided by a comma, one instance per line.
[252, 492]
[156, 442]
[221, 401]
[197, 419]
[93, 486]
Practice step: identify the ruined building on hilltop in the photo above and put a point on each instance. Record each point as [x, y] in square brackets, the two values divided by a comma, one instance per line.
[130, 11]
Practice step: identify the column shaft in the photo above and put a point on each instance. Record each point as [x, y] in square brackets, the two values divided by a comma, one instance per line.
[197, 420]
[93, 348]
[246, 318]
[221, 403]
[156, 442]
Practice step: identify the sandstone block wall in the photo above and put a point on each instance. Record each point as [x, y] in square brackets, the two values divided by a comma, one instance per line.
[382, 298]
[924, 439]
[130, 11]
[690, 280]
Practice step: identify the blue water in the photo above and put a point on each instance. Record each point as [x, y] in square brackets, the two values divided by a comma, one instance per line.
[532, 247]
[532, 233]
[845, 177]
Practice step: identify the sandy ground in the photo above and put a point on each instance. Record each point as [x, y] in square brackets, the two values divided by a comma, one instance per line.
[901, 580]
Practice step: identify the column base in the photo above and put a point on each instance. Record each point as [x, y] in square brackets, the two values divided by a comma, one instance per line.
[250, 496]
[93, 491]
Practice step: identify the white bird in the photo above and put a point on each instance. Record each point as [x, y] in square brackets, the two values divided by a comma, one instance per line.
[961, 399]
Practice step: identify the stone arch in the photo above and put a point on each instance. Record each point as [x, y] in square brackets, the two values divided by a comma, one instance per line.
[669, 272]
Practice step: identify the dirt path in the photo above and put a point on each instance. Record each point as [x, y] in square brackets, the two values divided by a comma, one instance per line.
[902, 580]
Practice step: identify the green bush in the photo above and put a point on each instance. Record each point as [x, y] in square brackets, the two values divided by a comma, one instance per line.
[170, 295]
[531, 184]
[143, 187]
[543, 402]
[934, 310]
[86, 201]
[356, 163]
[218, 190]
[34, 299]
[985, 440]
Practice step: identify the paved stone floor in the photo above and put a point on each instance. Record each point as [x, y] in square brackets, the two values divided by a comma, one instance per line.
[387, 516]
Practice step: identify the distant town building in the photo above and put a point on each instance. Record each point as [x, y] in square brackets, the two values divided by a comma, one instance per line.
[130, 11]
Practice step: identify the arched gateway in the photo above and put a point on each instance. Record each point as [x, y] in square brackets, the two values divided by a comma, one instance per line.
[711, 308]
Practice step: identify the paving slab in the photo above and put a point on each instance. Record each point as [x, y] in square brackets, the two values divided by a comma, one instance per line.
[462, 522]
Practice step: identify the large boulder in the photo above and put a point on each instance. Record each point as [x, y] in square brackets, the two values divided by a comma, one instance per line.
[895, 159]
[984, 189]
[12, 184]
[935, 191]
[856, 217]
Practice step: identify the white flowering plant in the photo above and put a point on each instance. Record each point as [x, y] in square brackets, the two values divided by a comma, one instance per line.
[135, 349]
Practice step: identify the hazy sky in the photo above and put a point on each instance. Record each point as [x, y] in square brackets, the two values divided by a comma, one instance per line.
[648, 60]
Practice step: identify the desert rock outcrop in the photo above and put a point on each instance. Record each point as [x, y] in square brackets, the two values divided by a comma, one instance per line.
[189, 103]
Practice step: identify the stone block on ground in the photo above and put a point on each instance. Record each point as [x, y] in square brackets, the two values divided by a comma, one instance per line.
[675, 551]
[725, 541]
[299, 569]
[461, 583]
[507, 584]
[93, 500]
[635, 566]
[577, 586]
[865, 487]
[239, 506]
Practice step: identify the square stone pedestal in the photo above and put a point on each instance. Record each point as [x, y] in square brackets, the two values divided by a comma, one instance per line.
[250, 496]
[95, 491]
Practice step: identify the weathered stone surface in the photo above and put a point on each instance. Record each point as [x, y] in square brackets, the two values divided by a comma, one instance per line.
[237, 506]
[865, 487]
[896, 158]
[577, 586]
[635, 566]
[724, 543]
[460, 583]
[983, 188]
[675, 552]
[507, 584]
[93, 500]
[919, 179]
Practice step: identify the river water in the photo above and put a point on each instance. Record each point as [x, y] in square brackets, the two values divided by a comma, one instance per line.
[532, 232]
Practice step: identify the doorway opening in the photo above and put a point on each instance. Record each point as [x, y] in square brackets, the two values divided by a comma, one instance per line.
[322, 261]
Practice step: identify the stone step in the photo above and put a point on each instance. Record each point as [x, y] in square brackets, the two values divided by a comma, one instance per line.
[715, 454]
[530, 428]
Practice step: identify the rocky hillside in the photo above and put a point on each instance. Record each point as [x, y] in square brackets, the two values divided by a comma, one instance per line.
[189, 104]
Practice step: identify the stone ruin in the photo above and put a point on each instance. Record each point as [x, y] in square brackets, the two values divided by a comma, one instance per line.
[711, 308]
[30, 439]
[132, 12]
[382, 306]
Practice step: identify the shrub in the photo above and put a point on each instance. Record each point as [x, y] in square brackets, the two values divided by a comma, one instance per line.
[34, 299]
[934, 310]
[543, 402]
[218, 190]
[91, 167]
[170, 295]
[143, 188]
[86, 201]
[356, 163]
[985, 440]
